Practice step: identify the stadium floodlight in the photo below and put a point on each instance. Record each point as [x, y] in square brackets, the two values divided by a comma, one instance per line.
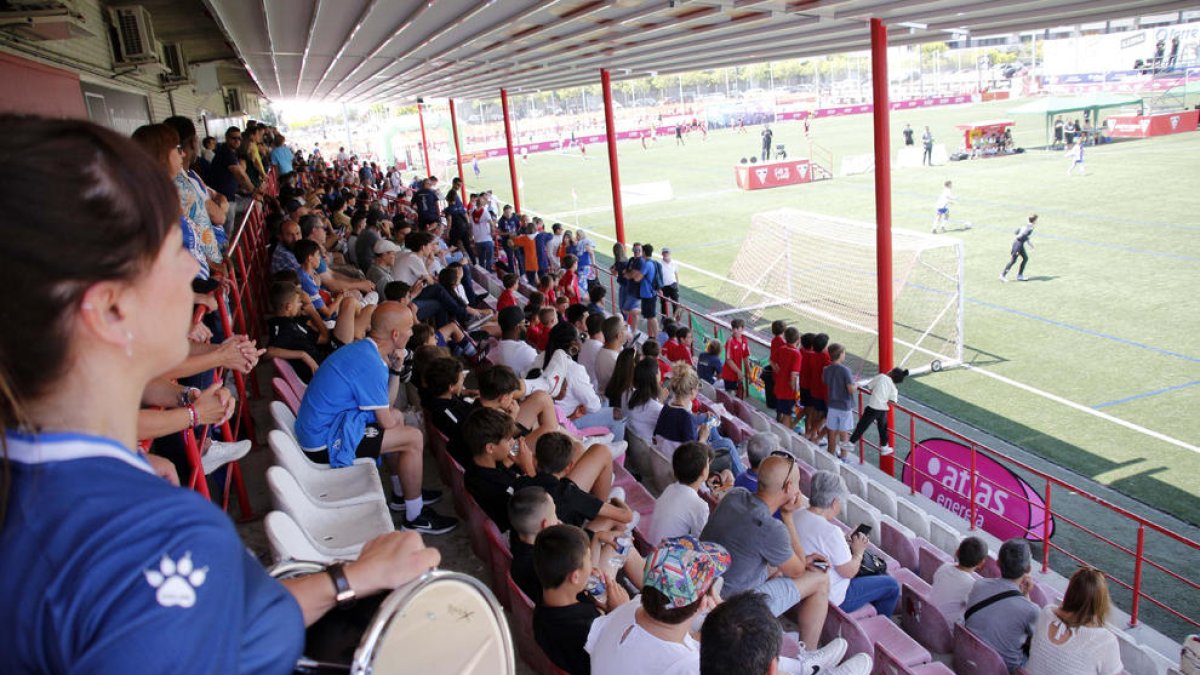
[818, 272]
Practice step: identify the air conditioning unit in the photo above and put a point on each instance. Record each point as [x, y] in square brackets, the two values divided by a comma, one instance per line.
[135, 35]
[41, 20]
[233, 101]
[176, 64]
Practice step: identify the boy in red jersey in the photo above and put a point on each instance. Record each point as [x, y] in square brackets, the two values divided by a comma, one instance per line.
[768, 375]
[508, 297]
[679, 347]
[737, 351]
[814, 424]
[787, 376]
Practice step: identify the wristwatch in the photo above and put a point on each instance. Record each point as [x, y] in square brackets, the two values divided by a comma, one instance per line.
[343, 594]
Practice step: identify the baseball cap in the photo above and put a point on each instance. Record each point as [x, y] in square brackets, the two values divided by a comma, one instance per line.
[384, 246]
[683, 568]
[666, 250]
[510, 317]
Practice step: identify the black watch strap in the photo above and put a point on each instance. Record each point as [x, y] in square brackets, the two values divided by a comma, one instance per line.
[343, 594]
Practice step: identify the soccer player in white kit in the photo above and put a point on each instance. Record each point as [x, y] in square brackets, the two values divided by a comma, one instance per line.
[943, 208]
[1076, 155]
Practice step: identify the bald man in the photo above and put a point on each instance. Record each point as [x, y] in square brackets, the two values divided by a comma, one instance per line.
[346, 414]
[767, 555]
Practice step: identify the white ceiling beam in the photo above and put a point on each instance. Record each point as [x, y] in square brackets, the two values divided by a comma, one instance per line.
[312, 27]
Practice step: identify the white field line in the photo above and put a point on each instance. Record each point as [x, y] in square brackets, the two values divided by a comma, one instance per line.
[999, 378]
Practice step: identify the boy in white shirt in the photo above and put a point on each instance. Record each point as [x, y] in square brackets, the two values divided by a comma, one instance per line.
[942, 216]
[680, 510]
[952, 582]
[883, 392]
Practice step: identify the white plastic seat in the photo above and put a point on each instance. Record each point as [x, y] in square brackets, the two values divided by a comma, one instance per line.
[913, 517]
[661, 472]
[288, 541]
[824, 461]
[943, 536]
[709, 391]
[881, 497]
[855, 481]
[802, 449]
[284, 420]
[339, 532]
[354, 484]
[784, 436]
[858, 512]
[759, 421]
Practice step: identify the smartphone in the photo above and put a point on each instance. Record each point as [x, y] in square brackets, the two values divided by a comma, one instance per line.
[863, 529]
[821, 565]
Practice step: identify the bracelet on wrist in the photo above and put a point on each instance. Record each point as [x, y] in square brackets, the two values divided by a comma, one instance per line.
[192, 416]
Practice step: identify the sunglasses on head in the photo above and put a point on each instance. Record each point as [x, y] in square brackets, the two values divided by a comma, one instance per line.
[791, 462]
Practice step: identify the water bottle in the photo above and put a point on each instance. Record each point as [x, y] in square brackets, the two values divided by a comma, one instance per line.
[617, 560]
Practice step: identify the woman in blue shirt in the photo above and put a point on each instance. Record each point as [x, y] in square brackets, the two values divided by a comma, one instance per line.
[104, 567]
[677, 423]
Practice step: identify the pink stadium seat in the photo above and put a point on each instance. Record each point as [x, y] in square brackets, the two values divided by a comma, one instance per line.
[636, 495]
[285, 369]
[972, 655]
[284, 393]
[898, 545]
[1043, 595]
[806, 474]
[909, 578]
[886, 663]
[865, 634]
[990, 569]
[500, 561]
[930, 559]
[924, 622]
[522, 623]
[458, 489]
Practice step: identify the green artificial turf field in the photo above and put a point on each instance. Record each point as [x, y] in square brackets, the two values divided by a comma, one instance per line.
[1108, 320]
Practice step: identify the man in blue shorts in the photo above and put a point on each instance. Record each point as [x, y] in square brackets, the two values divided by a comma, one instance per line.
[346, 414]
[647, 273]
[839, 420]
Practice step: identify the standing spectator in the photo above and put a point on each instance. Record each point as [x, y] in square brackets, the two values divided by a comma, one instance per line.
[818, 534]
[767, 135]
[483, 232]
[425, 201]
[999, 611]
[788, 363]
[1174, 53]
[1072, 639]
[768, 373]
[814, 367]
[883, 392]
[744, 525]
[670, 283]
[737, 358]
[525, 245]
[839, 383]
[952, 582]
[282, 157]
[927, 142]
[908, 135]
[646, 272]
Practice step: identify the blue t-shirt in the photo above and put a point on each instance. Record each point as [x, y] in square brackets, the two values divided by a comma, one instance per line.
[541, 239]
[649, 270]
[748, 480]
[707, 367]
[341, 401]
[836, 378]
[311, 289]
[508, 225]
[282, 157]
[676, 424]
[144, 578]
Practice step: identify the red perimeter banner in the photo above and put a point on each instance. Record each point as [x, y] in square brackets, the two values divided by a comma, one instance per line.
[773, 174]
[1144, 126]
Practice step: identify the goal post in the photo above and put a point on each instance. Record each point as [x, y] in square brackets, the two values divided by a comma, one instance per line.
[818, 272]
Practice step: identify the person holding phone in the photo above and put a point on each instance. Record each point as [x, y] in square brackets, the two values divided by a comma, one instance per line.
[818, 534]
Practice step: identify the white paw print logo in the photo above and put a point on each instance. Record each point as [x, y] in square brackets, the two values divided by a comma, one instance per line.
[176, 581]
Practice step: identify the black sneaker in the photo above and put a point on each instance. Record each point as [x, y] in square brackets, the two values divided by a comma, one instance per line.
[430, 522]
[429, 497]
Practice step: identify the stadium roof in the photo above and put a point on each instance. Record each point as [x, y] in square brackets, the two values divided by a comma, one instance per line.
[396, 50]
[1052, 105]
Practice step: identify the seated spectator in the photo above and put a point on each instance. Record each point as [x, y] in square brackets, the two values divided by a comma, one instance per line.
[680, 510]
[545, 286]
[562, 622]
[514, 350]
[441, 395]
[533, 411]
[761, 445]
[744, 525]
[708, 365]
[818, 534]
[652, 633]
[413, 264]
[292, 336]
[530, 510]
[594, 327]
[620, 383]
[606, 359]
[282, 257]
[538, 333]
[498, 459]
[644, 404]
[679, 347]
[677, 424]
[351, 318]
[346, 413]
[652, 350]
[999, 611]
[1072, 639]
[380, 272]
[581, 485]
[566, 333]
[741, 636]
[952, 582]
[737, 354]
[533, 306]
[596, 295]
[508, 297]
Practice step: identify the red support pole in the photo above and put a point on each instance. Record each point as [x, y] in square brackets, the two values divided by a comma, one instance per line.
[424, 141]
[512, 159]
[457, 153]
[614, 172]
[883, 206]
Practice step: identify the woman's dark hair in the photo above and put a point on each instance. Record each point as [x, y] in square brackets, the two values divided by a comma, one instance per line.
[448, 277]
[622, 377]
[645, 383]
[159, 140]
[82, 204]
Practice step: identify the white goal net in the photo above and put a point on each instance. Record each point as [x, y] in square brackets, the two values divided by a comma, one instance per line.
[818, 273]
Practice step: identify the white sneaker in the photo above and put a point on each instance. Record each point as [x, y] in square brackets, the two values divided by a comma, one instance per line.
[886, 450]
[859, 664]
[602, 439]
[617, 492]
[822, 659]
[1003, 278]
[1020, 277]
[221, 453]
[617, 448]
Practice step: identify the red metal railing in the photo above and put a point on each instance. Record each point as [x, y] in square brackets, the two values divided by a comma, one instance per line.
[1125, 565]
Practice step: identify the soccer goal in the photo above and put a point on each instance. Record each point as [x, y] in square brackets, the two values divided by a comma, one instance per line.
[818, 273]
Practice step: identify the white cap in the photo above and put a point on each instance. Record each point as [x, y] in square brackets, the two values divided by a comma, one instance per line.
[385, 246]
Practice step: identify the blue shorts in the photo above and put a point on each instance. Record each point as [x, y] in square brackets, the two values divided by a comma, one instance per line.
[649, 307]
[785, 406]
[839, 420]
[806, 398]
[944, 211]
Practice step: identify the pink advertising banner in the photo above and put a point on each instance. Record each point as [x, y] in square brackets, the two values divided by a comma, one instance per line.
[1007, 506]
